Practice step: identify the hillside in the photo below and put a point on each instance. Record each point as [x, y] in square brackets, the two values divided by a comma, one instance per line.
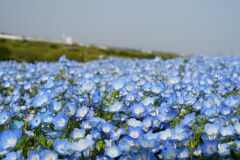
[31, 51]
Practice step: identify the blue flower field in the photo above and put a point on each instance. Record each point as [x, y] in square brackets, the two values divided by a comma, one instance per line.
[185, 108]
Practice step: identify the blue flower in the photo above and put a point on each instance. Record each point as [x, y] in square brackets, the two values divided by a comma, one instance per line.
[36, 121]
[148, 143]
[95, 133]
[9, 139]
[210, 147]
[138, 109]
[82, 145]
[134, 132]
[82, 111]
[124, 146]
[60, 121]
[107, 127]
[17, 124]
[13, 156]
[118, 84]
[211, 129]
[54, 135]
[87, 86]
[116, 134]
[113, 151]
[170, 153]
[224, 149]
[184, 154]
[34, 155]
[47, 118]
[78, 133]
[61, 146]
[227, 131]
[4, 117]
[144, 155]
[48, 155]
[189, 119]
[116, 107]
[41, 100]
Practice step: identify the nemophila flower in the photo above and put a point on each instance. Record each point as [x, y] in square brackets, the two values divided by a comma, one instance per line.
[198, 151]
[50, 84]
[63, 59]
[41, 100]
[17, 124]
[148, 143]
[197, 106]
[210, 147]
[130, 97]
[82, 111]
[227, 131]
[47, 118]
[226, 110]
[118, 84]
[184, 154]
[147, 87]
[69, 109]
[134, 132]
[189, 100]
[211, 129]
[147, 122]
[13, 156]
[56, 134]
[107, 127]
[180, 136]
[4, 117]
[55, 106]
[124, 146]
[86, 124]
[87, 86]
[148, 101]
[9, 139]
[78, 133]
[116, 134]
[61, 146]
[34, 155]
[134, 123]
[36, 121]
[170, 153]
[130, 87]
[174, 80]
[112, 151]
[164, 135]
[224, 149]
[116, 107]
[82, 145]
[189, 119]
[231, 101]
[60, 121]
[95, 133]
[48, 155]
[138, 109]
[29, 133]
[144, 155]
[237, 127]
[155, 89]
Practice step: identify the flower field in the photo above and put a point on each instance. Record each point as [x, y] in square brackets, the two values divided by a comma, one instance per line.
[140, 109]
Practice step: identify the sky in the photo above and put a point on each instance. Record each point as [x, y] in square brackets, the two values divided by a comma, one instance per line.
[176, 26]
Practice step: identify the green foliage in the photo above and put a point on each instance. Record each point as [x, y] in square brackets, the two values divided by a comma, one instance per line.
[32, 51]
[5, 53]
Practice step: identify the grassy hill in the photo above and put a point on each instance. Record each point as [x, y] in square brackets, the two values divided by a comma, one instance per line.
[30, 51]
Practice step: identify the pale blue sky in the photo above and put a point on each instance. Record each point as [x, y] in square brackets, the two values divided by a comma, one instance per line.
[179, 26]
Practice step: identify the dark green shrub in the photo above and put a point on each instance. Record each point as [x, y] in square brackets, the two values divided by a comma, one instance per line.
[5, 53]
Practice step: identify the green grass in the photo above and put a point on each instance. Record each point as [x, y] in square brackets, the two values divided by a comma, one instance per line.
[31, 51]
